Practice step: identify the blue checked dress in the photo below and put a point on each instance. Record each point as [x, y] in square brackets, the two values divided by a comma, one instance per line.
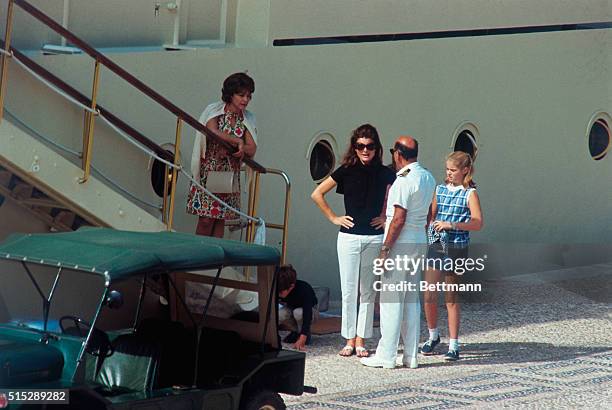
[452, 206]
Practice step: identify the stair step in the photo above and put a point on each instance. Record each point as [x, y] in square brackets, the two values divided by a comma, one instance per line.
[45, 203]
[5, 177]
[22, 190]
[43, 215]
[37, 193]
[65, 218]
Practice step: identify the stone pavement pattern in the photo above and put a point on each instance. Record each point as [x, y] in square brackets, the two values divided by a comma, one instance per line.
[540, 344]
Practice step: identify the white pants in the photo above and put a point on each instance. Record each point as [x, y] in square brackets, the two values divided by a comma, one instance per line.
[400, 311]
[293, 318]
[356, 255]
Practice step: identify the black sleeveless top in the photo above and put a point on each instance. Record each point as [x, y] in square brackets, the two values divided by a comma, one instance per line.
[364, 188]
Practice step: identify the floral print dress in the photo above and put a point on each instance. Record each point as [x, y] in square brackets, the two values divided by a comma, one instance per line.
[218, 159]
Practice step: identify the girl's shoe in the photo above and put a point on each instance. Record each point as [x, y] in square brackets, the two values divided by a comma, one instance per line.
[429, 346]
[452, 355]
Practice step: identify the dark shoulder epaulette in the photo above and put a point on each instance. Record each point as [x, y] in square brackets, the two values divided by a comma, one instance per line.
[403, 174]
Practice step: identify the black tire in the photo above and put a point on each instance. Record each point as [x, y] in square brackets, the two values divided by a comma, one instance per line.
[264, 400]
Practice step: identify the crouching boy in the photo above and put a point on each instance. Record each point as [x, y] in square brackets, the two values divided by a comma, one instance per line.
[298, 308]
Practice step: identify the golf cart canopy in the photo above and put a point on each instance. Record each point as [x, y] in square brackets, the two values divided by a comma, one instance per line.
[122, 254]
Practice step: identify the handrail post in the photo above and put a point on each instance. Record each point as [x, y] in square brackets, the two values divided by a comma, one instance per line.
[251, 181]
[5, 57]
[285, 226]
[89, 126]
[286, 223]
[165, 200]
[177, 161]
[253, 195]
[255, 203]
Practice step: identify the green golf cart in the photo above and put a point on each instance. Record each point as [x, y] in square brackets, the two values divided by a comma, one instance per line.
[128, 320]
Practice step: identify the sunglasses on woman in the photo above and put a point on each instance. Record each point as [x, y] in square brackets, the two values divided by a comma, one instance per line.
[361, 147]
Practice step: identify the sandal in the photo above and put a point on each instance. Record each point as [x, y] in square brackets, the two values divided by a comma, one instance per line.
[362, 351]
[347, 351]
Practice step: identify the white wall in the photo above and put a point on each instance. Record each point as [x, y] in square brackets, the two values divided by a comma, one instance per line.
[117, 23]
[531, 97]
[256, 23]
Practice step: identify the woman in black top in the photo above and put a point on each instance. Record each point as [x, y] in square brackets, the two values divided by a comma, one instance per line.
[364, 182]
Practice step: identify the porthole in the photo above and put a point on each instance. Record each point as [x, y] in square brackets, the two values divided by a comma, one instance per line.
[599, 139]
[322, 160]
[466, 142]
[159, 172]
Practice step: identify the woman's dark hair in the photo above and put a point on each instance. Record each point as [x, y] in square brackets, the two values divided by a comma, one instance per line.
[236, 83]
[286, 277]
[363, 131]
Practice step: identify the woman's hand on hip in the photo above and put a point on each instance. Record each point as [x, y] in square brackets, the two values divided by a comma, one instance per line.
[345, 221]
[378, 222]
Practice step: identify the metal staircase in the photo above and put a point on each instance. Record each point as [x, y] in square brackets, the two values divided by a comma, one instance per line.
[67, 196]
[38, 203]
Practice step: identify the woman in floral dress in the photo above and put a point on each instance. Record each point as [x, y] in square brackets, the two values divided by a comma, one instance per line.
[233, 123]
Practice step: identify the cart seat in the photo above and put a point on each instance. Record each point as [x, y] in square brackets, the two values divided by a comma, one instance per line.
[131, 368]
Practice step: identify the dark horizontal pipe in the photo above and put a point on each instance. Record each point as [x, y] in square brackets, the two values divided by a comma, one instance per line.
[497, 31]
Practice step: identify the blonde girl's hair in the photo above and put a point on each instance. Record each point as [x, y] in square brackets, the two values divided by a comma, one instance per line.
[462, 160]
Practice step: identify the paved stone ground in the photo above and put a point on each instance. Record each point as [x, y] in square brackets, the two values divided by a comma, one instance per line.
[541, 341]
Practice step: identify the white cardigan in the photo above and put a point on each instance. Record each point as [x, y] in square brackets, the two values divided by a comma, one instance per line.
[199, 147]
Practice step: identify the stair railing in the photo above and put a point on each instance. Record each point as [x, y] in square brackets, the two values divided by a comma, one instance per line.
[254, 189]
[101, 59]
[94, 109]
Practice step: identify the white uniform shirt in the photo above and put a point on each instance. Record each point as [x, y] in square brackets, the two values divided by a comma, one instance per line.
[413, 192]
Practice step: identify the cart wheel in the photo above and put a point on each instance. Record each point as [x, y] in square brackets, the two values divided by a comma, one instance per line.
[264, 400]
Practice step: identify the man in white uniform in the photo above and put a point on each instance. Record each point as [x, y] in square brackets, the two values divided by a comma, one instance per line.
[405, 240]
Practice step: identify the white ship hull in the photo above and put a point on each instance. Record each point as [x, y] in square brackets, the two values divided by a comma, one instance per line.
[532, 98]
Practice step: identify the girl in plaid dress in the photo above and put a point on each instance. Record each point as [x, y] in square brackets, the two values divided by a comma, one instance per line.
[456, 211]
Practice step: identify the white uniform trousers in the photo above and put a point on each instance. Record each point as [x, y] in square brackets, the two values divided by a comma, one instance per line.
[400, 309]
[356, 255]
